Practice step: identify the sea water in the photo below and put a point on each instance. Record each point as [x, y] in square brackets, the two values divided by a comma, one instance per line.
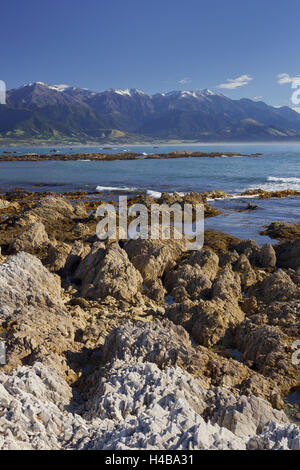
[278, 168]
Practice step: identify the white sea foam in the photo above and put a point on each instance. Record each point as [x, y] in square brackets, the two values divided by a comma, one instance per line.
[116, 189]
[292, 179]
[232, 156]
[148, 192]
[154, 194]
[157, 194]
[244, 196]
[232, 196]
[279, 183]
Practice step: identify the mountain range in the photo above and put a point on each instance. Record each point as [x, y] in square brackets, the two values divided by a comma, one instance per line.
[40, 112]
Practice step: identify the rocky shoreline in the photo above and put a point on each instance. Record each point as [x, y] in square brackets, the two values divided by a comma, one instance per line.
[34, 157]
[142, 345]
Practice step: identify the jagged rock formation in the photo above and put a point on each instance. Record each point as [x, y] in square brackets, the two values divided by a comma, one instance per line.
[97, 358]
[34, 237]
[25, 282]
[153, 257]
[108, 271]
[135, 406]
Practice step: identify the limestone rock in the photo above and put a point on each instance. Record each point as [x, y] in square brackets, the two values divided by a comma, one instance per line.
[165, 344]
[108, 272]
[283, 230]
[156, 405]
[248, 276]
[214, 322]
[242, 415]
[35, 325]
[24, 281]
[285, 315]
[56, 213]
[78, 252]
[80, 210]
[228, 257]
[156, 291]
[153, 257]
[277, 286]
[268, 350]
[2, 258]
[227, 286]
[31, 239]
[206, 259]
[193, 275]
[249, 248]
[4, 204]
[288, 254]
[267, 256]
[276, 437]
[51, 209]
[187, 282]
[34, 398]
[57, 256]
[80, 230]
[136, 404]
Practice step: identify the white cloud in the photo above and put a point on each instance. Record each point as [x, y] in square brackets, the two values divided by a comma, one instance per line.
[184, 81]
[234, 83]
[284, 78]
[258, 98]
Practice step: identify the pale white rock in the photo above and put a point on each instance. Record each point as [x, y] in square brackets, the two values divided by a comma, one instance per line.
[34, 237]
[4, 204]
[135, 406]
[108, 271]
[24, 281]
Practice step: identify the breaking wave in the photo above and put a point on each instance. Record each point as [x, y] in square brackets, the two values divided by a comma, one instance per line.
[279, 183]
[117, 189]
[290, 180]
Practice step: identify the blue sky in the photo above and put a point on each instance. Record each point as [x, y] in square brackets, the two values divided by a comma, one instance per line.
[155, 46]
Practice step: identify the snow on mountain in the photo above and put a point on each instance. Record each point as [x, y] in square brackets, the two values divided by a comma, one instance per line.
[182, 114]
[127, 91]
[59, 88]
[191, 94]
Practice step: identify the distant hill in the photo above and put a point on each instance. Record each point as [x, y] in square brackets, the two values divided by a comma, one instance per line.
[40, 112]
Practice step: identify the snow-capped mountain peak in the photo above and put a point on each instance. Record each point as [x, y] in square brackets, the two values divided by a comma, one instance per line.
[191, 94]
[60, 88]
[127, 91]
[207, 91]
[130, 92]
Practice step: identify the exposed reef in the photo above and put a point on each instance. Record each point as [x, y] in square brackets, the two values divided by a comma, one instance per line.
[34, 157]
